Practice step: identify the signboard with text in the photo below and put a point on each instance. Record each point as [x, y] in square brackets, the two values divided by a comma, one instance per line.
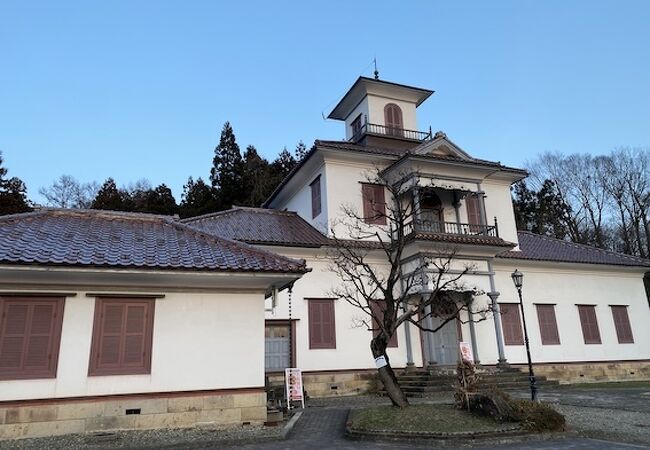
[293, 385]
[466, 352]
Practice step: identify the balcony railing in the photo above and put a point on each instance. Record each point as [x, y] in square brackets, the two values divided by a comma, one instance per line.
[383, 130]
[432, 226]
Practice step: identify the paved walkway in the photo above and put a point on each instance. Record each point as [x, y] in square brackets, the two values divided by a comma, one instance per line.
[323, 428]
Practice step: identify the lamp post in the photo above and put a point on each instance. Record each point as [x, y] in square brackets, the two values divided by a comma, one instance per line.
[518, 280]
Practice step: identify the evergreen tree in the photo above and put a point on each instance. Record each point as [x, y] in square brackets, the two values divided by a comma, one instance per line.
[258, 181]
[13, 193]
[157, 201]
[301, 151]
[198, 198]
[227, 168]
[552, 212]
[111, 198]
[283, 164]
[524, 203]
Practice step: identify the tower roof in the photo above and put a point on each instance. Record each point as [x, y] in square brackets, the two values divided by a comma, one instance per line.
[364, 86]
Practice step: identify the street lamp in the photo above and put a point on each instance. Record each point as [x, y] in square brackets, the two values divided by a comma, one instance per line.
[518, 280]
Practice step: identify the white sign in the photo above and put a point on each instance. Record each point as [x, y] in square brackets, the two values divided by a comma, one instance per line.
[380, 362]
[293, 385]
[466, 352]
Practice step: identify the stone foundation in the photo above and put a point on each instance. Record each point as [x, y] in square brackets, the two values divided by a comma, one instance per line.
[593, 372]
[332, 384]
[167, 410]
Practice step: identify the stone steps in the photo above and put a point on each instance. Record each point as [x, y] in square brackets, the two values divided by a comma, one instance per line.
[420, 383]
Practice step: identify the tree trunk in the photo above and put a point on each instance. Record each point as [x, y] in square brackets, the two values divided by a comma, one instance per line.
[387, 375]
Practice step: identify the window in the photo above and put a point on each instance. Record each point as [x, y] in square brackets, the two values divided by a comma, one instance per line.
[473, 212]
[30, 334]
[122, 336]
[622, 324]
[512, 332]
[322, 331]
[356, 126]
[547, 324]
[589, 324]
[374, 204]
[378, 309]
[393, 120]
[315, 197]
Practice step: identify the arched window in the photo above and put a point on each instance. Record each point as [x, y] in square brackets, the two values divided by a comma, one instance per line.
[393, 119]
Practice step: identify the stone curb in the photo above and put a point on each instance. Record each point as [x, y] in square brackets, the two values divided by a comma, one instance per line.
[288, 428]
[507, 435]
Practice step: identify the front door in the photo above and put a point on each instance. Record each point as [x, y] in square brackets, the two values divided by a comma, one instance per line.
[445, 343]
[276, 347]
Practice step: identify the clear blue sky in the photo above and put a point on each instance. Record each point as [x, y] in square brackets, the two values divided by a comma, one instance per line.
[141, 89]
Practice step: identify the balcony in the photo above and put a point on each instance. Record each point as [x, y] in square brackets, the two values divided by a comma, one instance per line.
[391, 132]
[419, 226]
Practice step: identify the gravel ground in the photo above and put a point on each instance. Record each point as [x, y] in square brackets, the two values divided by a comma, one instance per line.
[611, 424]
[161, 438]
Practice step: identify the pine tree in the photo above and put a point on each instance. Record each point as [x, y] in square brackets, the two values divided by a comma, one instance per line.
[13, 193]
[524, 203]
[198, 198]
[111, 198]
[283, 164]
[227, 168]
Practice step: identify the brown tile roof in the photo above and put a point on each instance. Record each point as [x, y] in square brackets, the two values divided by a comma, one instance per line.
[543, 248]
[127, 240]
[260, 226]
[462, 239]
[386, 151]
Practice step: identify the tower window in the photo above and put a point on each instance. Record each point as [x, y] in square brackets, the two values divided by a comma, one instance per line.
[393, 120]
[356, 125]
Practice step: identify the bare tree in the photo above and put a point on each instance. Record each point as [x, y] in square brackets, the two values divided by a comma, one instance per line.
[368, 258]
[68, 192]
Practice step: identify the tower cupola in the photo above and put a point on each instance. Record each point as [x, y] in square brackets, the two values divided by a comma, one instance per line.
[375, 109]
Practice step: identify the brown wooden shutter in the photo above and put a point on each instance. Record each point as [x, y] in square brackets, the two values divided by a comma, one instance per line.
[393, 117]
[589, 324]
[547, 324]
[316, 207]
[322, 326]
[511, 324]
[473, 212]
[378, 314]
[622, 324]
[374, 204]
[30, 334]
[122, 336]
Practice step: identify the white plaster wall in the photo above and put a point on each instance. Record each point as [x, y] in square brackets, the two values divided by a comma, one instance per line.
[352, 341]
[301, 200]
[498, 203]
[566, 287]
[376, 106]
[200, 341]
[361, 108]
[344, 189]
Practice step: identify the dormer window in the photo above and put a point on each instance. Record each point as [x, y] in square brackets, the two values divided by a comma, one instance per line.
[393, 120]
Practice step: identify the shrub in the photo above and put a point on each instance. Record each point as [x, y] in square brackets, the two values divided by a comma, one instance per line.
[537, 416]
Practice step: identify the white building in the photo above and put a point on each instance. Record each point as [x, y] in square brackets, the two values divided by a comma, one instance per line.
[586, 308]
[117, 320]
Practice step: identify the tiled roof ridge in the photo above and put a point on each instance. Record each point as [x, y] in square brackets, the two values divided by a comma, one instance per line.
[88, 212]
[586, 246]
[219, 240]
[236, 209]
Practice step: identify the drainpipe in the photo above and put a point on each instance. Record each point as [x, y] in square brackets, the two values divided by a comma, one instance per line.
[494, 295]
